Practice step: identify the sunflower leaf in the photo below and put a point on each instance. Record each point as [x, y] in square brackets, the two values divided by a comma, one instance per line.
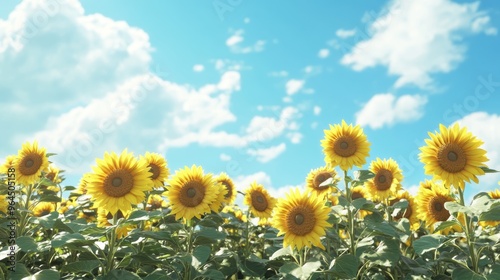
[345, 267]
[462, 273]
[488, 170]
[121, 274]
[386, 254]
[46, 274]
[493, 214]
[81, 266]
[428, 243]
[27, 244]
[446, 224]
[285, 251]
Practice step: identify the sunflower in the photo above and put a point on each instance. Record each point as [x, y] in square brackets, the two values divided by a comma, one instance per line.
[318, 176]
[387, 180]
[410, 212]
[65, 205]
[82, 185]
[3, 204]
[191, 193]
[118, 182]
[29, 163]
[103, 217]
[155, 202]
[43, 208]
[218, 203]
[88, 214]
[302, 218]
[495, 194]
[454, 156]
[238, 214]
[360, 192]
[430, 205]
[9, 163]
[52, 173]
[260, 202]
[157, 166]
[230, 196]
[345, 145]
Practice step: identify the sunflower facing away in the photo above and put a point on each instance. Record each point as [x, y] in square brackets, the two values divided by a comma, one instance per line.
[410, 212]
[453, 155]
[360, 192]
[155, 202]
[317, 177]
[191, 193]
[43, 208]
[103, 217]
[387, 180]
[29, 163]
[260, 202]
[9, 162]
[118, 182]
[157, 166]
[302, 218]
[345, 145]
[52, 173]
[230, 196]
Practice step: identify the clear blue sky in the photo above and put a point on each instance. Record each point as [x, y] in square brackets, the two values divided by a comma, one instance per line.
[246, 87]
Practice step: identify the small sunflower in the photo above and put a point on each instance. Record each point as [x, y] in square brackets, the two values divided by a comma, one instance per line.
[43, 208]
[360, 192]
[3, 204]
[82, 185]
[218, 203]
[410, 212]
[345, 145]
[230, 196]
[318, 176]
[103, 217]
[302, 218]
[65, 205]
[89, 215]
[191, 193]
[260, 202]
[155, 202]
[238, 214]
[158, 168]
[9, 163]
[29, 163]
[495, 194]
[387, 180]
[52, 173]
[454, 156]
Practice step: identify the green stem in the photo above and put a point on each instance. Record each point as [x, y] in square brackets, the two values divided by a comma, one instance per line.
[350, 216]
[247, 244]
[469, 233]
[112, 249]
[24, 215]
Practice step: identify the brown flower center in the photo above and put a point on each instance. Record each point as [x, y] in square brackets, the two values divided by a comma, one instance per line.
[259, 201]
[407, 212]
[30, 164]
[155, 169]
[356, 195]
[301, 220]
[192, 194]
[452, 158]
[228, 188]
[344, 146]
[436, 208]
[383, 180]
[118, 183]
[320, 178]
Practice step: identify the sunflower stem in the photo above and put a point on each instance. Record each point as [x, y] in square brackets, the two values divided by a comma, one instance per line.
[112, 249]
[469, 233]
[247, 244]
[350, 216]
[23, 219]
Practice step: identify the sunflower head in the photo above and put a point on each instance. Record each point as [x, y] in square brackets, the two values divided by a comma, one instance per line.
[89, 215]
[261, 203]
[9, 163]
[228, 184]
[157, 167]
[218, 203]
[360, 192]
[155, 202]
[454, 156]
[410, 212]
[191, 193]
[65, 205]
[43, 208]
[302, 218]
[387, 180]
[345, 145]
[53, 174]
[238, 214]
[103, 217]
[3, 205]
[31, 160]
[82, 185]
[316, 181]
[118, 182]
[495, 194]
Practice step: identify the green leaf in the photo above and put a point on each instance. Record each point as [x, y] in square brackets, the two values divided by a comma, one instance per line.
[47, 221]
[19, 272]
[138, 215]
[201, 255]
[251, 268]
[213, 274]
[387, 253]
[488, 170]
[45, 274]
[157, 275]
[446, 224]
[495, 272]
[81, 266]
[65, 239]
[376, 223]
[308, 268]
[493, 214]
[363, 175]
[285, 251]
[208, 235]
[345, 267]
[454, 207]
[27, 244]
[212, 220]
[428, 243]
[50, 198]
[462, 273]
[144, 258]
[291, 269]
[121, 275]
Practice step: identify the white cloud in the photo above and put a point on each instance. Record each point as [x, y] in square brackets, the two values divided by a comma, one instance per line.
[235, 40]
[282, 191]
[387, 109]
[293, 86]
[344, 33]
[415, 39]
[279, 74]
[483, 126]
[295, 137]
[413, 189]
[198, 68]
[242, 182]
[267, 154]
[317, 110]
[267, 128]
[323, 53]
[225, 157]
[224, 65]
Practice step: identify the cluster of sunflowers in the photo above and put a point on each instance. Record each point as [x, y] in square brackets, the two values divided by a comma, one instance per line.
[370, 227]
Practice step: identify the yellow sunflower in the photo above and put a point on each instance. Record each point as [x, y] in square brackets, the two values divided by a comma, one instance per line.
[260, 202]
[3, 204]
[29, 163]
[155, 202]
[191, 193]
[118, 182]
[360, 192]
[387, 180]
[345, 145]
[495, 194]
[218, 203]
[410, 212]
[157, 166]
[236, 212]
[103, 217]
[318, 176]
[302, 218]
[43, 208]
[52, 173]
[454, 156]
[430, 205]
[65, 205]
[9, 162]
[82, 185]
[88, 214]
[224, 179]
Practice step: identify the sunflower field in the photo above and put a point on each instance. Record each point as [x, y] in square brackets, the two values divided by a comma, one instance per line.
[131, 218]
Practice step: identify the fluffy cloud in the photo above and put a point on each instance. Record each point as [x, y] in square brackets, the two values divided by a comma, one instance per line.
[235, 40]
[343, 33]
[323, 53]
[225, 157]
[198, 68]
[387, 109]
[293, 86]
[415, 39]
[267, 154]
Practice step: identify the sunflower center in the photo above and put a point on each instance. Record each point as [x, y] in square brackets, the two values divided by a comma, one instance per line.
[452, 158]
[153, 168]
[192, 194]
[436, 208]
[344, 146]
[30, 164]
[319, 179]
[229, 190]
[118, 183]
[383, 180]
[301, 220]
[45, 212]
[356, 195]
[259, 201]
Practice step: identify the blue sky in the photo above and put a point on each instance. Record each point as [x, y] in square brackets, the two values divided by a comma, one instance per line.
[246, 87]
